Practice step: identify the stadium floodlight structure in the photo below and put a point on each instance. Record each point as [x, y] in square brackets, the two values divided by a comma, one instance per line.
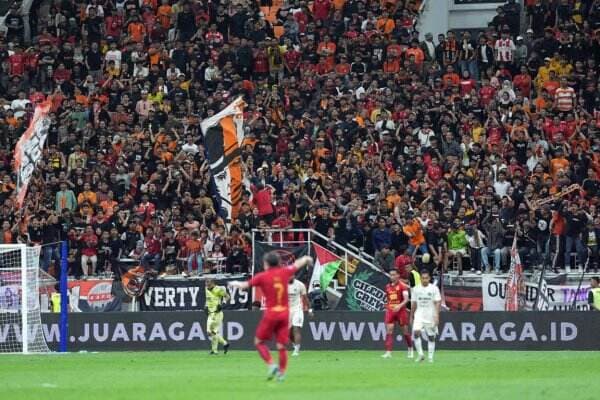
[21, 328]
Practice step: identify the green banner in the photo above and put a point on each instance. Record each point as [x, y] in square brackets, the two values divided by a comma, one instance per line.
[365, 290]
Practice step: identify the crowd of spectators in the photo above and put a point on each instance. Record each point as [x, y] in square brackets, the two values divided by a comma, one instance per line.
[354, 127]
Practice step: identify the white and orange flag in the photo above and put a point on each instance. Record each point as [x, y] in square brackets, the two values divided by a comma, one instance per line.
[515, 286]
[28, 151]
[223, 135]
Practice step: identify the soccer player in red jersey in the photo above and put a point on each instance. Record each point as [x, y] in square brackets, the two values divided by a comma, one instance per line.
[275, 321]
[395, 311]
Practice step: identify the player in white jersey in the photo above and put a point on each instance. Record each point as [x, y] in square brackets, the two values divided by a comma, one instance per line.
[297, 299]
[425, 314]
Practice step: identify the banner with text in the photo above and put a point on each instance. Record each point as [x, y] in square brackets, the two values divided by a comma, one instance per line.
[326, 331]
[186, 295]
[560, 297]
[30, 147]
[365, 290]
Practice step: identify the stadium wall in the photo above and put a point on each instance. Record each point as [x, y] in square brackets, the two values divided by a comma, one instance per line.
[326, 331]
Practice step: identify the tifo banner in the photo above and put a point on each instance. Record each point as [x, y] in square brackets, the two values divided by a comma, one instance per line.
[365, 290]
[463, 298]
[559, 297]
[186, 295]
[288, 254]
[29, 148]
[94, 295]
[223, 134]
[326, 331]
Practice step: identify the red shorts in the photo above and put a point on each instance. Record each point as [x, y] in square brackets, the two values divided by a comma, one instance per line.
[278, 327]
[401, 317]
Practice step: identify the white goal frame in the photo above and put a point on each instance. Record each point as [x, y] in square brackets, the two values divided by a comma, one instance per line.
[27, 273]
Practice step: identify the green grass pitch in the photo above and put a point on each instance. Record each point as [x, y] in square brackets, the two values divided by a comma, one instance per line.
[325, 375]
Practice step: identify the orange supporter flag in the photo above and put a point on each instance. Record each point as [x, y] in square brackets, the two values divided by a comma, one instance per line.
[223, 134]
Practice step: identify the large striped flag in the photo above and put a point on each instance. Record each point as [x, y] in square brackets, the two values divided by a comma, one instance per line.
[325, 268]
[28, 151]
[223, 134]
[515, 286]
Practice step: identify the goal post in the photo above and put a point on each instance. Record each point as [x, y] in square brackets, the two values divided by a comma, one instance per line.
[21, 329]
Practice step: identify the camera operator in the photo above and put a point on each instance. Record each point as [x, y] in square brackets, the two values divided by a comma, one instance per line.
[317, 298]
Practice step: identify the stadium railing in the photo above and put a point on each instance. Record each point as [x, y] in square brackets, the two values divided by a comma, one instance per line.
[347, 254]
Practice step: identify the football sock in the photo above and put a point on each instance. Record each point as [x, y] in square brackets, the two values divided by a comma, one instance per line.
[221, 339]
[418, 346]
[296, 347]
[283, 360]
[389, 340]
[214, 341]
[408, 340]
[430, 347]
[264, 353]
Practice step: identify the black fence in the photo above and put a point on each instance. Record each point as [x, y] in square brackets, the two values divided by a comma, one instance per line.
[326, 331]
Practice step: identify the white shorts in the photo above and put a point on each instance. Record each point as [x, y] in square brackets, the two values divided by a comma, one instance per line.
[455, 252]
[297, 318]
[428, 327]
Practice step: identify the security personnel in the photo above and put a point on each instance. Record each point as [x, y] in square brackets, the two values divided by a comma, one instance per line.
[594, 294]
[55, 302]
[414, 277]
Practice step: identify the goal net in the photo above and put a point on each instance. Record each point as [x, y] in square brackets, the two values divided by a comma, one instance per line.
[20, 319]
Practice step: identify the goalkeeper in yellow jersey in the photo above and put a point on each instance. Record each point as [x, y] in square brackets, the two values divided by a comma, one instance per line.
[215, 297]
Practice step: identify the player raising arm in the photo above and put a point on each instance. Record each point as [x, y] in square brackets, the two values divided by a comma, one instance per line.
[425, 314]
[275, 321]
[395, 311]
[215, 296]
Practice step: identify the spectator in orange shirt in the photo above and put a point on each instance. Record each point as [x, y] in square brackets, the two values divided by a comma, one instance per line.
[416, 51]
[136, 30]
[109, 204]
[551, 84]
[327, 49]
[87, 195]
[343, 67]
[450, 78]
[385, 24]
[414, 231]
[393, 198]
[164, 14]
[558, 163]
[194, 251]
[391, 65]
